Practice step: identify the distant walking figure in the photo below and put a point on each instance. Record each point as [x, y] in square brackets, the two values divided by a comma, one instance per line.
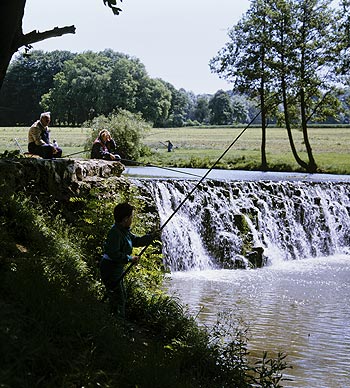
[170, 145]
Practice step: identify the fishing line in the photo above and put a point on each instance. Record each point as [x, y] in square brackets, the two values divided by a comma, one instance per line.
[192, 191]
[74, 153]
[143, 164]
[19, 146]
[161, 167]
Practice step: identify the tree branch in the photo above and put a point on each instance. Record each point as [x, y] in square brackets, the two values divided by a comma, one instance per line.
[36, 36]
[317, 106]
[112, 4]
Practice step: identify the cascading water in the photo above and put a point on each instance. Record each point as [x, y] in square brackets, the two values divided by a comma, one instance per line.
[223, 221]
[295, 304]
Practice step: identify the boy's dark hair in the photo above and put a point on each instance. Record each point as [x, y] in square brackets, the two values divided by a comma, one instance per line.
[122, 210]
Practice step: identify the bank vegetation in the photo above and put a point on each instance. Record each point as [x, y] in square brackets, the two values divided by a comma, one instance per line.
[56, 328]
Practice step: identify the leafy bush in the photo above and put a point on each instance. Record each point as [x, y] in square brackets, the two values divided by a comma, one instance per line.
[11, 154]
[126, 128]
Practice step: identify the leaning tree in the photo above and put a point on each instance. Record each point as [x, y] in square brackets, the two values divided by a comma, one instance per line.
[289, 49]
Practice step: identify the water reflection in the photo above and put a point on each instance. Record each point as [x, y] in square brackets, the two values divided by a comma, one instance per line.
[298, 307]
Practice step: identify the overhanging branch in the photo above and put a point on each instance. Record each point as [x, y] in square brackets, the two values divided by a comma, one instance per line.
[36, 36]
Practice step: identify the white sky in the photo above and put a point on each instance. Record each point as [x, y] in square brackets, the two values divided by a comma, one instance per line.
[175, 40]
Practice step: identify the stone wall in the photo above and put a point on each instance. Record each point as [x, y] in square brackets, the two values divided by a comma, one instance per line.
[57, 177]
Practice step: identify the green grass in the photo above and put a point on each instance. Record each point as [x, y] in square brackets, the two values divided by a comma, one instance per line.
[202, 146]
[71, 139]
[205, 145]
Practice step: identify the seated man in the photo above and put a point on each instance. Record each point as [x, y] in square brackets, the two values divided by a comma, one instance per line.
[104, 147]
[39, 139]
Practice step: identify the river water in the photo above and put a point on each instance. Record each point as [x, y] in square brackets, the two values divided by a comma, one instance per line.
[230, 175]
[299, 307]
[298, 303]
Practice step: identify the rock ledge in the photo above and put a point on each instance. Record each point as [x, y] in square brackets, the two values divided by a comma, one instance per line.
[56, 175]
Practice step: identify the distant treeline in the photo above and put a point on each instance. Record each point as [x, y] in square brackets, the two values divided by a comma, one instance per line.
[78, 87]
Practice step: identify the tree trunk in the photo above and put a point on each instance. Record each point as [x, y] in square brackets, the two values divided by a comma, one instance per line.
[263, 141]
[11, 33]
[11, 12]
[288, 126]
[312, 167]
[263, 135]
[303, 64]
[263, 114]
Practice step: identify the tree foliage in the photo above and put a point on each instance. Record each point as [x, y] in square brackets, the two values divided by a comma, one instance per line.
[79, 94]
[201, 109]
[220, 108]
[181, 107]
[288, 52]
[79, 87]
[28, 78]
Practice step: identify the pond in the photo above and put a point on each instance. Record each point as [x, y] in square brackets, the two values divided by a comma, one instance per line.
[297, 307]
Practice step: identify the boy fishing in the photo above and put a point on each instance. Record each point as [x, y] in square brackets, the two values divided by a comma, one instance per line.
[118, 252]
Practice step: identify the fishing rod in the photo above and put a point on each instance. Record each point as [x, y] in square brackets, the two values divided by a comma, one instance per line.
[65, 156]
[74, 153]
[19, 146]
[127, 270]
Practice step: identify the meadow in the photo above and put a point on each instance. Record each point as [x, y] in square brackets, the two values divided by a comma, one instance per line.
[202, 146]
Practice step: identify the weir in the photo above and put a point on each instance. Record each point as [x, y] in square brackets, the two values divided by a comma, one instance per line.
[224, 224]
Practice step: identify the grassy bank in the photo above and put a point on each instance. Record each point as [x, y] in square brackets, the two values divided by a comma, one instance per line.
[56, 330]
[200, 147]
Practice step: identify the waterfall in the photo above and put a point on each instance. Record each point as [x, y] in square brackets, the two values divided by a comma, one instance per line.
[222, 222]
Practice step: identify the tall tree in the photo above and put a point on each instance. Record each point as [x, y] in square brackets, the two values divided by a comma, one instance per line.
[343, 47]
[123, 86]
[201, 110]
[344, 53]
[153, 100]
[240, 109]
[220, 108]
[28, 78]
[180, 107]
[284, 48]
[79, 90]
[304, 65]
[245, 61]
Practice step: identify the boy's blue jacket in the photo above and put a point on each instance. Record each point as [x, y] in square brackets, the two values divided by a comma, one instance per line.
[119, 244]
